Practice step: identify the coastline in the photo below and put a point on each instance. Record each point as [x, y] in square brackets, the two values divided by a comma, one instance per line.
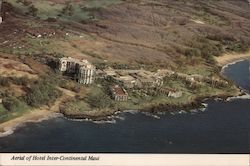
[34, 116]
[231, 58]
[38, 115]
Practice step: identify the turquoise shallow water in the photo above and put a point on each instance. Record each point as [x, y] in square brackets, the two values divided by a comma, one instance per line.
[222, 128]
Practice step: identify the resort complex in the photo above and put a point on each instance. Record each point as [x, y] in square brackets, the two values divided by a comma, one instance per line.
[85, 73]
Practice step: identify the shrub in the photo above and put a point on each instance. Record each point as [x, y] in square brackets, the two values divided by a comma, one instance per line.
[73, 86]
[41, 93]
[50, 19]
[68, 9]
[20, 81]
[33, 10]
[99, 100]
[4, 81]
[205, 48]
[192, 52]
[101, 66]
[24, 2]
[12, 104]
[240, 46]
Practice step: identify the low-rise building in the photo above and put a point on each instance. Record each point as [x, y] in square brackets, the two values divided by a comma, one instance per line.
[110, 73]
[171, 92]
[128, 81]
[119, 93]
[138, 79]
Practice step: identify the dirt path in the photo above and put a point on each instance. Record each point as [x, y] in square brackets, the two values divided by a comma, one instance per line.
[229, 58]
[36, 115]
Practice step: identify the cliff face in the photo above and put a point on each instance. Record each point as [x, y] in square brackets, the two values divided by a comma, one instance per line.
[162, 32]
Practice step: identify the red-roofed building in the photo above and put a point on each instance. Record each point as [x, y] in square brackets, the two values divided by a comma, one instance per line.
[119, 93]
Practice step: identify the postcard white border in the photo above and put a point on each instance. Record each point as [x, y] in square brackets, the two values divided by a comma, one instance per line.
[125, 160]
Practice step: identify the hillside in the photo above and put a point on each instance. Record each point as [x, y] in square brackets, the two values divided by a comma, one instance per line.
[177, 35]
[163, 32]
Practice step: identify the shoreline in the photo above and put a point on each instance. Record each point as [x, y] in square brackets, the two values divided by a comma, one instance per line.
[39, 115]
[34, 116]
[196, 103]
[231, 58]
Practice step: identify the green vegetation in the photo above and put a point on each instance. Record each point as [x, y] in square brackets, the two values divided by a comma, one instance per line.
[11, 108]
[70, 85]
[45, 10]
[229, 42]
[97, 98]
[6, 81]
[14, 104]
[41, 93]
[75, 106]
[39, 46]
[204, 48]
[198, 69]
[35, 94]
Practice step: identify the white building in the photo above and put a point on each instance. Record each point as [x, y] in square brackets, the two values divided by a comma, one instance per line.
[68, 64]
[83, 70]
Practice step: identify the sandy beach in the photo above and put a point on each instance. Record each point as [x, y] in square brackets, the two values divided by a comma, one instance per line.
[37, 115]
[232, 57]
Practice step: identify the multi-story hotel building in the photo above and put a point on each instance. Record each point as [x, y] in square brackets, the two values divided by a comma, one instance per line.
[83, 71]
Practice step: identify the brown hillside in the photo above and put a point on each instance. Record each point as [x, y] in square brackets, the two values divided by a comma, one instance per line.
[166, 32]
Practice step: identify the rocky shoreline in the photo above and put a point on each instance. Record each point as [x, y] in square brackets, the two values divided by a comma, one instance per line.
[107, 115]
[161, 108]
[100, 116]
